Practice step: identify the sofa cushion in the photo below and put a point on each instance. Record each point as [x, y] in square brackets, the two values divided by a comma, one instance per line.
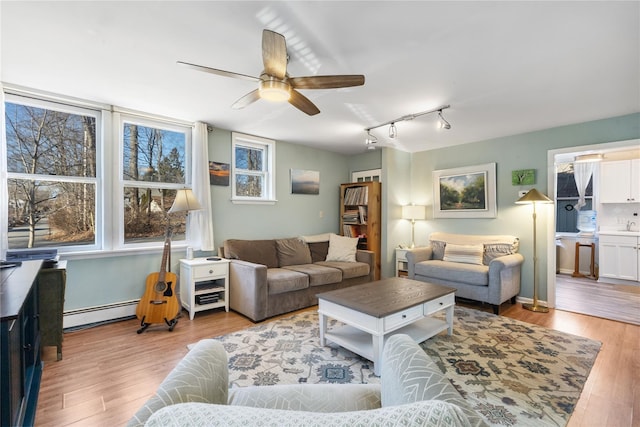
[467, 254]
[256, 251]
[342, 248]
[349, 269]
[495, 250]
[437, 246]
[424, 413]
[318, 250]
[281, 280]
[471, 274]
[292, 251]
[318, 274]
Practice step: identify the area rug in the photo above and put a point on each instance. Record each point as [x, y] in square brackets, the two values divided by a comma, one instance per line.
[513, 373]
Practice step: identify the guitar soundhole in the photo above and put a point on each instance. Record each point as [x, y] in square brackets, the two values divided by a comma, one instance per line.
[160, 287]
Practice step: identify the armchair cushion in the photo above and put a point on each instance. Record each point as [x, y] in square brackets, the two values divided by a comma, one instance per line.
[467, 254]
[425, 413]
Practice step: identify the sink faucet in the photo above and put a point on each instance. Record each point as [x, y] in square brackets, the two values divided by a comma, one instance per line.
[630, 224]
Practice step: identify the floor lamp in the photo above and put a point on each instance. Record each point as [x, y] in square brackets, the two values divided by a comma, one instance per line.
[534, 197]
[413, 212]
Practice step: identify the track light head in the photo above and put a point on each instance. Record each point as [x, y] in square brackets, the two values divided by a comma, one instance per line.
[443, 123]
[370, 139]
[393, 132]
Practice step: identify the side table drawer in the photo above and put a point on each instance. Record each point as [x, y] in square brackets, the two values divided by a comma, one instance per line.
[438, 304]
[200, 271]
[401, 318]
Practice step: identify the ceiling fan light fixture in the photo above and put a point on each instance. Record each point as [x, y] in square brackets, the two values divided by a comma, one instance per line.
[274, 90]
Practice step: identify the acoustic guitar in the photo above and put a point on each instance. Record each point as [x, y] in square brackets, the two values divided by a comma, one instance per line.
[159, 302]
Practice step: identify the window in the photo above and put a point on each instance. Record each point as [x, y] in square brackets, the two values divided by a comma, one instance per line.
[154, 167]
[79, 185]
[253, 173]
[567, 197]
[53, 187]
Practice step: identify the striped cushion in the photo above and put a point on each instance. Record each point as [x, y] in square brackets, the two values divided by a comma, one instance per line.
[467, 254]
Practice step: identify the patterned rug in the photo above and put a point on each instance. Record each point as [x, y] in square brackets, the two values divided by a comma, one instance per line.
[513, 373]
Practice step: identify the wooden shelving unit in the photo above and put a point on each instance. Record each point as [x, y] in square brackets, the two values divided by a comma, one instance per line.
[360, 215]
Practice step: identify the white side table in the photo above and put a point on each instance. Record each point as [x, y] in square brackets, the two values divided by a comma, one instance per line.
[402, 268]
[204, 284]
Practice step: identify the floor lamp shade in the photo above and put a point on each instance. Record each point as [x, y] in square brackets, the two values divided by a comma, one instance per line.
[185, 201]
[534, 197]
[412, 213]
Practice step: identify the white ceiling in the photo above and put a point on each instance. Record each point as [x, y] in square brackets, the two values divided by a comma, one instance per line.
[504, 67]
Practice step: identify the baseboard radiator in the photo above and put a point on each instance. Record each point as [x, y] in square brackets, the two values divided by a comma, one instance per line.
[99, 314]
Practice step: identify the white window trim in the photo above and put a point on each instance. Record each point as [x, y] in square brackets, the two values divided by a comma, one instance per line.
[269, 147]
[108, 243]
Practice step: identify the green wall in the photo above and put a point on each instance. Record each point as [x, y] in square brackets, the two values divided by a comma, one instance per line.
[406, 178]
[525, 151]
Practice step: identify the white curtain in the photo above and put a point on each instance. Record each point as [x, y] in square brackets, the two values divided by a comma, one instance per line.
[201, 222]
[582, 173]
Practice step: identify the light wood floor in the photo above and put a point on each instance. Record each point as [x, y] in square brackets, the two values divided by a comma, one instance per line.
[615, 302]
[109, 371]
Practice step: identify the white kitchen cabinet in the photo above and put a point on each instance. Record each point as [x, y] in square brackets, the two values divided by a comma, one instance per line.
[620, 181]
[619, 257]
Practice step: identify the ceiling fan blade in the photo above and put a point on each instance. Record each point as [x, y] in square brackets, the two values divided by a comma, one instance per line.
[274, 54]
[219, 72]
[302, 103]
[326, 82]
[249, 98]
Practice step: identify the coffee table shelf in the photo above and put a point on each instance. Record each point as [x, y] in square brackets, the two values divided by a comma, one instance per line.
[361, 342]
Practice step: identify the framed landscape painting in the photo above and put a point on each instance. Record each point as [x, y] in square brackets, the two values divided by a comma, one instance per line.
[466, 192]
[305, 181]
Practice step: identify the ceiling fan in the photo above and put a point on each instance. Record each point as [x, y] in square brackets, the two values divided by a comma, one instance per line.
[274, 82]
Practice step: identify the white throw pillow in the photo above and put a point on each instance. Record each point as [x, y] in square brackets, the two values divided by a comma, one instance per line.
[468, 254]
[342, 248]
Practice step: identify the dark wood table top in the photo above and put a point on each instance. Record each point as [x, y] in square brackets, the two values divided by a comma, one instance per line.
[15, 285]
[384, 297]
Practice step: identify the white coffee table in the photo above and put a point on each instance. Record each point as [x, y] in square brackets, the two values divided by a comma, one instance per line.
[376, 310]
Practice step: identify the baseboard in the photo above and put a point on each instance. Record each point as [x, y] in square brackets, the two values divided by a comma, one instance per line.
[97, 314]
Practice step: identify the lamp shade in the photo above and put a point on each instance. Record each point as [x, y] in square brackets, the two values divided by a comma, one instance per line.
[533, 196]
[413, 212]
[185, 201]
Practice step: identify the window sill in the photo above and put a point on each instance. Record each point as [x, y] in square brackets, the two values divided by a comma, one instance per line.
[253, 202]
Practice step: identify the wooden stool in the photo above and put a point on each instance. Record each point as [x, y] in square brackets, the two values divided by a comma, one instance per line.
[576, 272]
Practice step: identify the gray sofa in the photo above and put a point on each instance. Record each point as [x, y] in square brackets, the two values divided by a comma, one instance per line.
[276, 276]
[481, 268]
[412, 391]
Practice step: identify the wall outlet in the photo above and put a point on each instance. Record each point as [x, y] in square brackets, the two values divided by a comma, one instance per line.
[522, 193]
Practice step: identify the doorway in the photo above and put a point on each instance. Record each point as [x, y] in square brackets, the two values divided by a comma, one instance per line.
[565, 292]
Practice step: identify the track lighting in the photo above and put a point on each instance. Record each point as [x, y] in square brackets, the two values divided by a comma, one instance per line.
[443, 123]
[393, 130]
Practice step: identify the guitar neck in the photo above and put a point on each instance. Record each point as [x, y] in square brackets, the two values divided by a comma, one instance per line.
[165, 254]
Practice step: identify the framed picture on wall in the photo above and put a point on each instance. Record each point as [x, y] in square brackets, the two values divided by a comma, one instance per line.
[305, 181]
[218, 173]
[465, 192]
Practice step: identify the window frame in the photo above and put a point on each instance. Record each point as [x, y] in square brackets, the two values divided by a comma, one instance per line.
[109, 181]
[49, 103]
[268, 149]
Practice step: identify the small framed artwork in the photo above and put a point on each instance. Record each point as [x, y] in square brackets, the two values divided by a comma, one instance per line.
[523, 177]
[218, 173]
[305, 181]
[466, 192]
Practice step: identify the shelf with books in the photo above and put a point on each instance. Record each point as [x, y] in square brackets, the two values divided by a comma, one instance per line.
[360, 215]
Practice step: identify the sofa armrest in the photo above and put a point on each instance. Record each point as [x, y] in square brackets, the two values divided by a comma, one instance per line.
[416, 255]
[201, 376]
[409, 375]
[504, 276]
[248, 289]
[368, 257]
